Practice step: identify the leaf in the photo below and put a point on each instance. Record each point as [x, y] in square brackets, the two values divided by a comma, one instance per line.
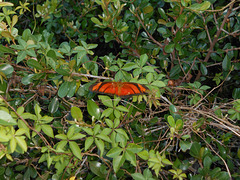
[138, 176]
[77, 136]
[7, 69]
[134, 148]
[96, 21]
[159, 84]
[22, 143]
[98, 168]
[130, 156]
[114, 152]
[143, 154]
[6, 119]
[63, 90]
[75, 149]
[180, 20]
[88, 143]
[169, 48]
[47, 129]
[171, 121]
[118, 162]
[106, 100]
[93, 109]
[34, 64]
[204, 70]
[143, 59]
[226, 64]
[76, 113]
[147, 9]
[53, 105]
[100, 145]
[122, 108]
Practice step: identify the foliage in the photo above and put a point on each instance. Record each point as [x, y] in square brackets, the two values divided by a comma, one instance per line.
[185, 52]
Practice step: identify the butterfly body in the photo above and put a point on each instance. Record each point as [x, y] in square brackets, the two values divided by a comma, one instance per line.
[121, 89]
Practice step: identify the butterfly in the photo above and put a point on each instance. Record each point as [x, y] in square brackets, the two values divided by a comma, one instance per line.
[121, 89]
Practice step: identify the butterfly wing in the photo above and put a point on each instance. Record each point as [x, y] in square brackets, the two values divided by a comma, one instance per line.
[122, 89]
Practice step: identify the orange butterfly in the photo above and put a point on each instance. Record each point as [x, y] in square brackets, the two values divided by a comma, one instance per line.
[121, 89]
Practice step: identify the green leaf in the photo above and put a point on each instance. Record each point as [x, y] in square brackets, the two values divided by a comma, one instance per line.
[20, 132]
[63, 90]
[148, 9]
[93, 109]
[98, 169]
[77, 136]
[6, 50]
[96, 21]
[88, 142]
[171, 121]
[6, 119]
[53, 105]
[89, 131]
[64, 72]
[118, 162]
[159, 84]
[134, 148]
[143, 59]
[185, 145]
[109, 123]
[226, 64]
[180, 20]
[138, 176]
[195, 150]
[130, 156]
[169, 48]
[104, 137]
[22, 143]
[100, 145]
[114, 152]
[107, 101]
[75, 149]
[13, 144]
[34, 64]
[7, 69]
[122, 108]
[47, 129]
[76, 113]
[143, 154]
[204, 70]
[61, 136]
[52, 54]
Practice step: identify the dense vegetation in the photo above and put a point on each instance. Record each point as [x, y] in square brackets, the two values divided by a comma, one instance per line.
[185, 51]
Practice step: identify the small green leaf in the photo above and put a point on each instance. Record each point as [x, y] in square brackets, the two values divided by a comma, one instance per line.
[93, 109]
[118, 162]
[47, 129]
[88, 142]
[34, 64]
[100, 145]
[180, 20]
[143, 154]
[148, 9]
[107, 101]
[171, 121]
[75, 149]
[114, 152]
[6, 119]
[22, 143]
[143, 59]
[53, 105]
[76, 113]
[63, 90]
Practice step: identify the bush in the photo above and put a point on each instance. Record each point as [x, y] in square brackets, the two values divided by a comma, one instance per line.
[185, 52]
